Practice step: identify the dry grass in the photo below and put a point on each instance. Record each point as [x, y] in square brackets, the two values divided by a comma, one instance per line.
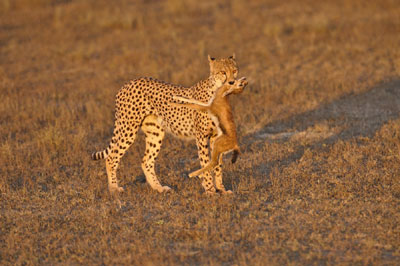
[319, 126]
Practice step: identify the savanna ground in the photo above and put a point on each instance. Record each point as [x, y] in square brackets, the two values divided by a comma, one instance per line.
[318, 181]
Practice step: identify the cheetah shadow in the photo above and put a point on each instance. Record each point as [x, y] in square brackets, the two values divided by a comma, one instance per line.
[356, 115]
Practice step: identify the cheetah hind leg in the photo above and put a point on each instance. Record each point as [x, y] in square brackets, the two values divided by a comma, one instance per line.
[154, 136]
[111, 168]
[119, 145]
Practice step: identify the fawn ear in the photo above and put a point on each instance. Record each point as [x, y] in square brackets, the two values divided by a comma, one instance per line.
[233, 56]
[210, 59]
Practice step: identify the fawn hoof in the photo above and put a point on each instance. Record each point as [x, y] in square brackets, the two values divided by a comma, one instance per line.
[192, 175]
[196, 173]
[243, 81]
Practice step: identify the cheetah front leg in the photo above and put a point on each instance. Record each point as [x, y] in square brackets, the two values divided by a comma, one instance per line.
[207, 179]
[218, 170]
[154, 136]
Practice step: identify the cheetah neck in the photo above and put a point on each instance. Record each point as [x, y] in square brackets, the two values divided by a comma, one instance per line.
[205, 88]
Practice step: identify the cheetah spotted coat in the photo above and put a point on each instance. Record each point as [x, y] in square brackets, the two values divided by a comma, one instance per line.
[144, 103]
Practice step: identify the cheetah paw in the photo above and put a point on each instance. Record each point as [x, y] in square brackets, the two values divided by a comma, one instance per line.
[224, 191]
[116, 189]
[163, 189]
[211, 192]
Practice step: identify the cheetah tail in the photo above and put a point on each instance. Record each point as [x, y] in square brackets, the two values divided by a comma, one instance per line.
[235, 155]
[101, 154]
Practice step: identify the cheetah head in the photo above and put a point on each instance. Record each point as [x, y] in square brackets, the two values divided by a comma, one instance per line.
[223, 70]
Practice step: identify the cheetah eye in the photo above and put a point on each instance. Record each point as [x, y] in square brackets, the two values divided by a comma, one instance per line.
[234, 71]
[223, 72]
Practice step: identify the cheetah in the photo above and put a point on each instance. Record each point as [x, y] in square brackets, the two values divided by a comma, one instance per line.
[220, 112]
[143, 103]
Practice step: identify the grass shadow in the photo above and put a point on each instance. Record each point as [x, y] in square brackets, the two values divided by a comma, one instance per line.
[359, 115]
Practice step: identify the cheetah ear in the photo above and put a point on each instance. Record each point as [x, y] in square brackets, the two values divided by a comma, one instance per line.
[233, 56]
[210, 59]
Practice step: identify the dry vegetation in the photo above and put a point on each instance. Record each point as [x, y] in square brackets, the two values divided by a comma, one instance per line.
[319, 127]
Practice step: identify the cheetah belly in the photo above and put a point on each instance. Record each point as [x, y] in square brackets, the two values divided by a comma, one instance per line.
[179, 126]
[176, 121]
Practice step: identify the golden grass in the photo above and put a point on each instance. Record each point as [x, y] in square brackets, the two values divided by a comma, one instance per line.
[318, 181]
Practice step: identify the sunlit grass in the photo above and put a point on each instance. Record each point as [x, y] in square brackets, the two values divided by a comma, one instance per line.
[318, 178]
